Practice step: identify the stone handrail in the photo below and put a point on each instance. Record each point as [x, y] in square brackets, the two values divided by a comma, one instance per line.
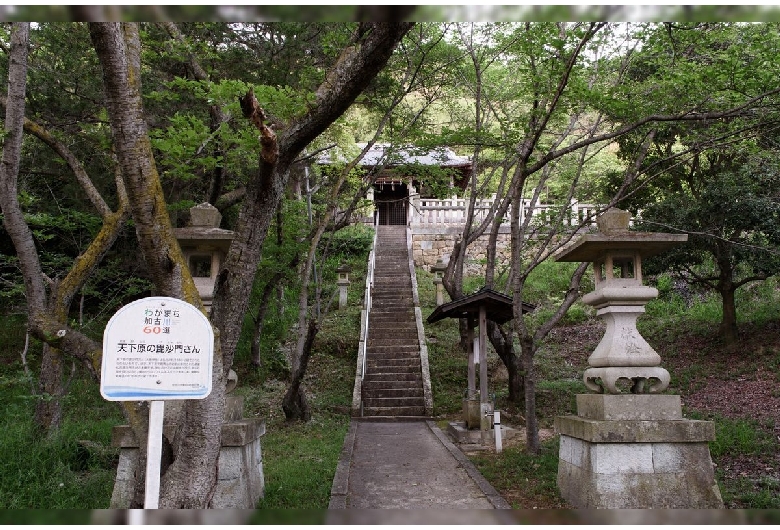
[437, 212]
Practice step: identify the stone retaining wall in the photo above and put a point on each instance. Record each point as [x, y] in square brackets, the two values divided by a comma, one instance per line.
[431, 244]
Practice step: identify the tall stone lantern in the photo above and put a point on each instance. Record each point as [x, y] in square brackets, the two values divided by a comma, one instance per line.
[629, 446]
[205, 246]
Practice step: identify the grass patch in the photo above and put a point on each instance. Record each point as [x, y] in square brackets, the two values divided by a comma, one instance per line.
[736, 436]
[72, 469]
[761, 494]
[299, 462]
[531, 479]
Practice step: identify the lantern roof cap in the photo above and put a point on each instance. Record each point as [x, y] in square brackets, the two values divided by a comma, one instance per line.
[614, 235]
[439, 266]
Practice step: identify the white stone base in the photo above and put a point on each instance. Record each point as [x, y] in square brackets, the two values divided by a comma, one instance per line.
[650, 475]
[621, 464]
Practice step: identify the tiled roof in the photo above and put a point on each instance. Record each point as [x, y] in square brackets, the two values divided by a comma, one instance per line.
[439, 156]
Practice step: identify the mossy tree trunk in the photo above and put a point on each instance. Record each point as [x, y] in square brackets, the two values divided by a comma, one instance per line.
[189, 481]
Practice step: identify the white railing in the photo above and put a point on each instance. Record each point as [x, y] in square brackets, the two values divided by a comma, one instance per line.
[367, 301]
[438, 212]
[357, 397]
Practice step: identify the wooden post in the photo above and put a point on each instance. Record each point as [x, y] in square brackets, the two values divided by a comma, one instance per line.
[472, 388]
[484, 404]
[483, 386]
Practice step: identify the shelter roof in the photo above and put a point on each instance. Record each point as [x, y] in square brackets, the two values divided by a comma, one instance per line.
[498, 307]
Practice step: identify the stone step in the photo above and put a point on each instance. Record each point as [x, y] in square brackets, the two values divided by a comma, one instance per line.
[383, 402]
[390, 343]
[392, 376]
[392, 385]
[386, 309]
[400, 351]
[392, 290]
[377, 337]
[389, 306]
[407, 355]
[391, 300]
[378, 315]
[400, 313]
[394, 366]
[394, 411]
[411, 392]
[409, 358]
[408, 335]
[399, 324]
[395, 371]
[406, 315]
[383, 302]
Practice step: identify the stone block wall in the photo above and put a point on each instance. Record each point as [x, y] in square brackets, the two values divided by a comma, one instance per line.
[431, 244]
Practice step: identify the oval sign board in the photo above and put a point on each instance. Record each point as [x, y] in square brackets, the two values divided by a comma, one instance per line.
[157, 348]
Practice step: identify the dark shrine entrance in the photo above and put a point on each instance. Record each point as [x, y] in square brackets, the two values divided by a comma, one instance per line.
[391, 200]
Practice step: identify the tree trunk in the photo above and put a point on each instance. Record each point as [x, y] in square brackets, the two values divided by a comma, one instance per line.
[260, 318]
[531, 425]
[48, 408]
[358, 64]
[728, 325]
[189, 482]
[504, 345]
[294, 403]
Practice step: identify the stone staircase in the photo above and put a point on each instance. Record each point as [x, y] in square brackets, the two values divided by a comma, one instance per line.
[393, 382]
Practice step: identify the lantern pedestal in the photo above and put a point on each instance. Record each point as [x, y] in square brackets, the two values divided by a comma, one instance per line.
[635, 451]
[240, 478]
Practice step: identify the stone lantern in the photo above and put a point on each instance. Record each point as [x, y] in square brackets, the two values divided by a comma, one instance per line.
[438, 271]
[204, 246]
[343, 282]
[629, 446]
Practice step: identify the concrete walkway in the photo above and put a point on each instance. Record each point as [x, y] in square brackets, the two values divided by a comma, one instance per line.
[407, 467]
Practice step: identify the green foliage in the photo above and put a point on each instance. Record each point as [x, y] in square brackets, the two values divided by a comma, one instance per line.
[74, 468]
[546, 287]
[351, 241]
[435, 181]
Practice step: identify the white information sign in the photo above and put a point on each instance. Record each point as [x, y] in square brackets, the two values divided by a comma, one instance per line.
[157, 348]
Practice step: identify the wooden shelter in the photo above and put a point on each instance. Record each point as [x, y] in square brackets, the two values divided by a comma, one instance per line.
[486, 304]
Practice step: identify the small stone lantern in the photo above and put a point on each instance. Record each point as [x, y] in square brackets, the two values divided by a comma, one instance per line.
[205, 246]
[343, 282]
[438, 270]
[629, 449]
